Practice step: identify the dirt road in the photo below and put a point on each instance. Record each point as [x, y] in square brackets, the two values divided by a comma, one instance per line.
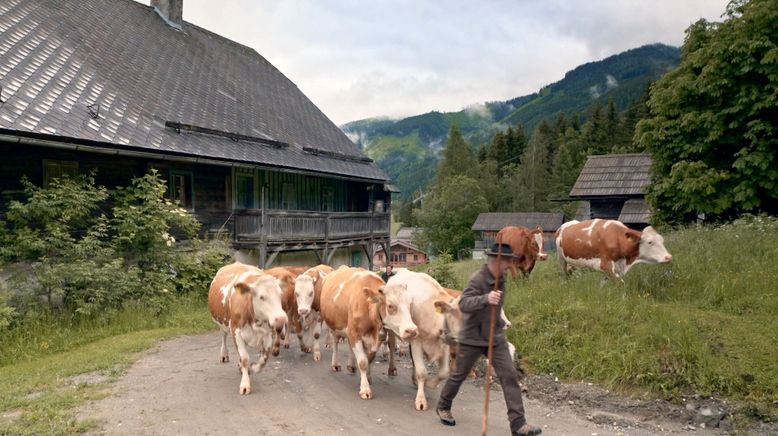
[180, 387]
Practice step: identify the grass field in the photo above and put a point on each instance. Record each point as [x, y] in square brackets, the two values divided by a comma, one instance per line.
[38, 394]
[706, 324]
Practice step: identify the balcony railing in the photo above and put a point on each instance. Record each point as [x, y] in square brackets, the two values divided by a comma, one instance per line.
[281, 226]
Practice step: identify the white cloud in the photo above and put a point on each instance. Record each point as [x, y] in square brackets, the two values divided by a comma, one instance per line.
[396, 58]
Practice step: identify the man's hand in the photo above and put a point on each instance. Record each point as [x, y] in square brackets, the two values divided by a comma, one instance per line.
[493, 297]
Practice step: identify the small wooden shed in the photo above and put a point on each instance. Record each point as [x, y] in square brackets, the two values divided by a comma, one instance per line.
[488, 224]
[613, 187]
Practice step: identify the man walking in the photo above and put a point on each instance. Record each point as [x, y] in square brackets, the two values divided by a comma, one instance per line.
[473, 341]
[388, 274]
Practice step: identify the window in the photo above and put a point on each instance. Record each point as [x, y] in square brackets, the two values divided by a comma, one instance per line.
[415, 257]
[289, 196]
[328, 199]
[245, 181]
[55, 169]
[182, 189]
[402, 257]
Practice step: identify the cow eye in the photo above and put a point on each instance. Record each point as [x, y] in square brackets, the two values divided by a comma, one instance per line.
[262, 298]
[310, 294]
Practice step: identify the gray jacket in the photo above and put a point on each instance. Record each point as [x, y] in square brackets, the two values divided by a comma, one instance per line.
[476, 312]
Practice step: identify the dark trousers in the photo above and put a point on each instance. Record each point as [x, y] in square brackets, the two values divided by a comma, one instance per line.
[504, 368]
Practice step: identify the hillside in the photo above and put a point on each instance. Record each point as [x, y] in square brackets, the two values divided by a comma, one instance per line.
[407, 148]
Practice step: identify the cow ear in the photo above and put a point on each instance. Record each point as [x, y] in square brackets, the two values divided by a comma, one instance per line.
[282, 285]
[371, 295]
[442, 306]
[242, 287]
[633, 236]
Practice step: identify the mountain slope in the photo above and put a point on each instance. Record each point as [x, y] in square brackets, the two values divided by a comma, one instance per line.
[411, 144]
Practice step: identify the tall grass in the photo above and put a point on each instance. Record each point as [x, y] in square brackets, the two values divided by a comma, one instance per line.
[706, 324]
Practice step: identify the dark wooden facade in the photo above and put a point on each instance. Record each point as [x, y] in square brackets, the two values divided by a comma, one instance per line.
[288, 211]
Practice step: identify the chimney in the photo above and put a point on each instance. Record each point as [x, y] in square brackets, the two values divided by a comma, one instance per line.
[170, 10]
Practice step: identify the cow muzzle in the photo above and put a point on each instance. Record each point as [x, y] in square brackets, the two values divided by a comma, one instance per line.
[303, 311]
[278, 322]
[542, 256]
[410, 333]
[667, 259]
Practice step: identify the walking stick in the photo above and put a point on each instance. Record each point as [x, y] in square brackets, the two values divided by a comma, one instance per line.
[491, 344]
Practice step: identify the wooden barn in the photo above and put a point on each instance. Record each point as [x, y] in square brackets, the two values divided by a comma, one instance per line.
[488, 224]
[613, 187]
[402, 254]
[121, 88]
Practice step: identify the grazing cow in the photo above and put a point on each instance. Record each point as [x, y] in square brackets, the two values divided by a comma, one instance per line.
[608, 246]
[286, 281]
[245, 302]
[527, 246]
[307, 289]
[438, 318]
[358, 305]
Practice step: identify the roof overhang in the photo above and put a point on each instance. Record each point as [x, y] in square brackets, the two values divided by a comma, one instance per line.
[89, 146]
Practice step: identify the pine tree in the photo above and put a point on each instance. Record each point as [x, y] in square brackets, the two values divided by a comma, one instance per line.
[532, 175]
[458, 158]
[517, 140]
[498, 150]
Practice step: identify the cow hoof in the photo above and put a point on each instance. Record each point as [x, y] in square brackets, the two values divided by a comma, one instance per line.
[392, 372]
[225, 359]
[316, 356]
[305, 349]
[366, 395]
[245, 390]
[316, 336]
[286, 346]
[351, 369]
[421, 404]
[275, 351]
[335, 368]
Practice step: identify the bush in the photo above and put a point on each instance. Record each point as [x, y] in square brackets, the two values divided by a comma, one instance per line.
[441, 268]
[73, 253]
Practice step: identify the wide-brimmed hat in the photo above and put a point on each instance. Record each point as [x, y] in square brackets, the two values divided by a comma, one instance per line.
[504, 250]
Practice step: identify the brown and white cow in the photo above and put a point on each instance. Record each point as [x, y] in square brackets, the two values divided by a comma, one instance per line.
[307, 289]
[527, 246]
[286, 280]
[608, 246]
[358, 305]
[439, 320]
[245, 302]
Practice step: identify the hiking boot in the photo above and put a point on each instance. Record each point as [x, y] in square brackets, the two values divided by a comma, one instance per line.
[446, 417]
[527, 430]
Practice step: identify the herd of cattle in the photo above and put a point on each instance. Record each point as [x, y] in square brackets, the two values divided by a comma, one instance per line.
[259, 308]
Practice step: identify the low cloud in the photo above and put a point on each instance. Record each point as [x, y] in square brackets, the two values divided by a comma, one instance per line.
[610, 82]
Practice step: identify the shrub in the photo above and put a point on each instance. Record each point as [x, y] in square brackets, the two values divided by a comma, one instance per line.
[441, 268]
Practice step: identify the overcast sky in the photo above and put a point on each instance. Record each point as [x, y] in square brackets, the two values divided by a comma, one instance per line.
[359, 59]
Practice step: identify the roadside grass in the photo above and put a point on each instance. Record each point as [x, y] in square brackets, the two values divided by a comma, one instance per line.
[38, 392]
[706, 324]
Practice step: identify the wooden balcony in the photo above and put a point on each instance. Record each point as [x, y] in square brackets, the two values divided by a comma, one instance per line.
[285, 227]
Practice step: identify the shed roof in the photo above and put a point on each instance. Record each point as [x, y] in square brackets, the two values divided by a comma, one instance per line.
[112, 71]
[613, 175]
[635, 211]
[407, 233]
[495, 221]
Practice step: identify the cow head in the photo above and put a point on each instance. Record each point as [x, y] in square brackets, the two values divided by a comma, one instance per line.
[536, 243]
[394, 305]
[265, 294]
[452, 317]
[304, 293]
[652, 247]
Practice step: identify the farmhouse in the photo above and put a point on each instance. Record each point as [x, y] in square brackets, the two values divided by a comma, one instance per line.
[402, 254]
[488, 224]
[122, 88]
[613, 187]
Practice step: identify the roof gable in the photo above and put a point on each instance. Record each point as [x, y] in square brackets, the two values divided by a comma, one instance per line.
[613, 175]
[112, 71]
[495, 221]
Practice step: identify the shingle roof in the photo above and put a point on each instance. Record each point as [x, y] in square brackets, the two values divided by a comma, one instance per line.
[407, 233]
[635, 211]
[494, 221]
[59, 57]
[613, 175]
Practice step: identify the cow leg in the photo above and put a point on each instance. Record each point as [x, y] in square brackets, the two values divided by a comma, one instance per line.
[245, 383]
[263, 355]
[609, 268]
[286, 333]
[392, 343]
[351, 366]
[420, 372]
[358, 350]
[225, 355]
[316, 336]
[443, 369]
[335, 365]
